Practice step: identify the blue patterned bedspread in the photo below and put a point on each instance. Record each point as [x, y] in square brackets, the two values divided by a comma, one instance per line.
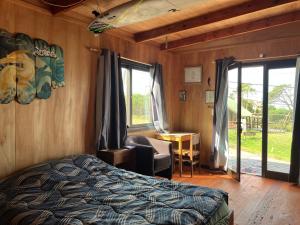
[83, 190]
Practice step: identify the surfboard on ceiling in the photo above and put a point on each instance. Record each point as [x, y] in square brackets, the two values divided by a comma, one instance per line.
[138, 11]
[57, 65]
[8, 68]
[26, 83]
[43, 71]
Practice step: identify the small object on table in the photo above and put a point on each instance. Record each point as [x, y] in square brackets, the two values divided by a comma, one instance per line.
[121, 158]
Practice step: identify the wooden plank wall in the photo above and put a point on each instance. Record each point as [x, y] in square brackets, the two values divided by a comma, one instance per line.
[63, 124]
[194, 114]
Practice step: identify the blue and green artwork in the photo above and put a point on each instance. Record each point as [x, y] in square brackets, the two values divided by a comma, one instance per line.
[58, 79]
[43, 70]
[26, 83]
[8, 67]
[28, 68]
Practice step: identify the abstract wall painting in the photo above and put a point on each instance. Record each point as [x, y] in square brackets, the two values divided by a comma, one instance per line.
[58, 69]
[8, 70]
[28, 68]
[26, 83]
[43, 70]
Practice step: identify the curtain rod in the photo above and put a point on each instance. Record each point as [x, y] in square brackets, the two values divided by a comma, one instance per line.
[265, 58]
[98, 50]
[147, 64]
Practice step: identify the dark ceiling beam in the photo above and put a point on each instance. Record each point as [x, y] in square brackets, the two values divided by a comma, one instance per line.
[234, 30]
[223, 14]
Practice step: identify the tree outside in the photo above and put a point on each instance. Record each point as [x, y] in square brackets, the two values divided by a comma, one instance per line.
[141, 109]
[281, 102]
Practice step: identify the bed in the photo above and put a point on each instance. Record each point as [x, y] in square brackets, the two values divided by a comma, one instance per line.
[82, 189]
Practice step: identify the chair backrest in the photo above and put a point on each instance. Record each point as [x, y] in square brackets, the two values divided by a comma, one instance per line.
[195, 139]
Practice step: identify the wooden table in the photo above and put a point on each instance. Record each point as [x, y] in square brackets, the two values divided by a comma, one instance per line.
[176, 137]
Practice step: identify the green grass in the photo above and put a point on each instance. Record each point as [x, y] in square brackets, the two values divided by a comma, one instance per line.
[279, 144]
[140, 119]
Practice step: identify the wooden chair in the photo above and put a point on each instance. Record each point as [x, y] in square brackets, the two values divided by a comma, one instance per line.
[191, 155]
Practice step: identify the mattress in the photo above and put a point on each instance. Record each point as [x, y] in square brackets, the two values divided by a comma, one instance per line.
[83, 190]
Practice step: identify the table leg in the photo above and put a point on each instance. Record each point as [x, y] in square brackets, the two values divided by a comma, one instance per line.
[180, 157]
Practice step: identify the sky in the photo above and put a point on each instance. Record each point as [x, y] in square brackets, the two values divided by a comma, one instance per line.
[254, 76]
[141, 81]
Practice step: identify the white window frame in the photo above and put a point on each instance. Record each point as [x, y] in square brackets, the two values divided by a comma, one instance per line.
[131, 65]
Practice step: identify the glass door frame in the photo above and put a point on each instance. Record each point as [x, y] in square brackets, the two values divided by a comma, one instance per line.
[267, 65]
[237, 174]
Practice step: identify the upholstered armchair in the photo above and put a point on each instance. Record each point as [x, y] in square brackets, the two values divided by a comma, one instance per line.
[153, 157]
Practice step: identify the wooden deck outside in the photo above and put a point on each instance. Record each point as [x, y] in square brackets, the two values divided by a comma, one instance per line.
[256, 200]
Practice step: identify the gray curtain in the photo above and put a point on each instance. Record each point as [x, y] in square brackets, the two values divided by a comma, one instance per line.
[220, 119]
[295, 156]
[158, 101]
[111, 130]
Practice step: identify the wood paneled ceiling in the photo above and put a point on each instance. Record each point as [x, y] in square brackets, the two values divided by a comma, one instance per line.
[208, 20]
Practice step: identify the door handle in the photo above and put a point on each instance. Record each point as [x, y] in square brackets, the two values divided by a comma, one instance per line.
[240, 126]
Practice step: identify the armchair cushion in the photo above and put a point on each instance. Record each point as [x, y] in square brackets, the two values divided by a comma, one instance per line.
[161, 162]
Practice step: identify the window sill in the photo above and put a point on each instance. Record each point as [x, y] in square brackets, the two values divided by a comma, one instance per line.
[134, 129]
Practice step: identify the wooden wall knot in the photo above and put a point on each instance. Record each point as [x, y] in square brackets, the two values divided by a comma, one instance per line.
[2, 140]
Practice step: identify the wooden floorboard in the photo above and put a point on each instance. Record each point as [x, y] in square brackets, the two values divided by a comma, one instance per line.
[255, 200]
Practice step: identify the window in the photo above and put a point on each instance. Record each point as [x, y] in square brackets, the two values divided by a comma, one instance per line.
[137, 88]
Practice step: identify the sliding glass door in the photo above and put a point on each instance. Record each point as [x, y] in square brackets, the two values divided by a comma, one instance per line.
[279, 121]
[234, 121]
[260, 118]
[252, 102]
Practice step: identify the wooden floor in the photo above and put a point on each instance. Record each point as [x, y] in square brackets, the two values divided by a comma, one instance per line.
[255, 200]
